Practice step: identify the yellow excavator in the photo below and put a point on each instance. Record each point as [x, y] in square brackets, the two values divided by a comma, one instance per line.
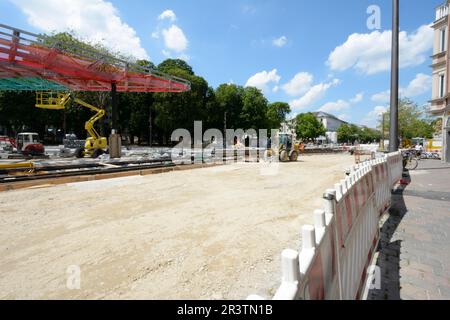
[95, 145]
[287, 149]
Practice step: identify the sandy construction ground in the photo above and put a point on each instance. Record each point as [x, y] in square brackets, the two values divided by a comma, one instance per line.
[202, 234]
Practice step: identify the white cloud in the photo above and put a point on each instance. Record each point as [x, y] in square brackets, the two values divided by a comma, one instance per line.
[169, 55]
[96, 21]
[335, 106]
[314, 94]
[370, 53]
[358, 98]
[155, 34]
[261, 80]
[174, 39]
[417, 87]
[184, 57]
[341, 105]
[276, 89]
[344, 117]
[382, 97]
[298, 85]
[168, 14]
[373, 117]
[280, 42]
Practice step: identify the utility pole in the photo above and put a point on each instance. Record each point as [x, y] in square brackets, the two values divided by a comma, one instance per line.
[393, 131]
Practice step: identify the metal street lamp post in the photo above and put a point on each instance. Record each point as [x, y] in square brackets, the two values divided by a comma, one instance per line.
[393, 131]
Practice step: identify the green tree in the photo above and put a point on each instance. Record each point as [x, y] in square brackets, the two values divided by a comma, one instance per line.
[350, 133]
[254, 109]
[146, 63]
[180, 110]
[368, 135]
[308, 126]
[344, 133]
[229, 102]
[171, 66]
[276, 114]
[413, 121]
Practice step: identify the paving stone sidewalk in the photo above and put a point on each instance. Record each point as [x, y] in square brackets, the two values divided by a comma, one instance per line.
[414, 251]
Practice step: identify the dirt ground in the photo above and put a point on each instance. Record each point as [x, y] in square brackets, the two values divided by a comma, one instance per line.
[214, 233]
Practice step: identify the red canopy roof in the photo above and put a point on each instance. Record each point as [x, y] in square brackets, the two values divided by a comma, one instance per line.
[23, 55]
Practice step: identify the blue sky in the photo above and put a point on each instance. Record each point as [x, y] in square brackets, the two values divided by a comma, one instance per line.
[297, 51]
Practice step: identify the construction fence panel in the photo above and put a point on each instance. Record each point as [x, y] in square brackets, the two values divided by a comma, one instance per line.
[337, 251]
[395, 164]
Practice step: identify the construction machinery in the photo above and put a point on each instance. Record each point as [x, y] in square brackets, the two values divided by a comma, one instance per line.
[95, 144]
[28, 144]
[287, 150]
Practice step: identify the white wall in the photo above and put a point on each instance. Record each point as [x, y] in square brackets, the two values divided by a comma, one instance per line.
[332, 137]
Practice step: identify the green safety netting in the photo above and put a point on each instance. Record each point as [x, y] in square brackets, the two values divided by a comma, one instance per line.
[30, 84]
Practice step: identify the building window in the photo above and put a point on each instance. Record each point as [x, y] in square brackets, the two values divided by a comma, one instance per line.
[441, 85]
[443, 40]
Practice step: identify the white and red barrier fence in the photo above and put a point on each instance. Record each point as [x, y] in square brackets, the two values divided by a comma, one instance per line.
[338, 249]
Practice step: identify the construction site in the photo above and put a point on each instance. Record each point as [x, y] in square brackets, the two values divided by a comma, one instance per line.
[211, 233]
[140, 223]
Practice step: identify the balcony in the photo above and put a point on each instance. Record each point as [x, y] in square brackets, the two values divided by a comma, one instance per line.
[441, 11]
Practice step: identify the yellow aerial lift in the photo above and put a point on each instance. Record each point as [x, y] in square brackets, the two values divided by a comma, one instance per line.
[95, 145]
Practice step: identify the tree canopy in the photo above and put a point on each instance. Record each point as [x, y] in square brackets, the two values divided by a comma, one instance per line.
[350, 133]
[308, 126]
[413, 121]
[277, 113]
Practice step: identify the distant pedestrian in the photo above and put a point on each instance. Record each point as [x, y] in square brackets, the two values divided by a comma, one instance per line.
[419, 149]
[302, 147]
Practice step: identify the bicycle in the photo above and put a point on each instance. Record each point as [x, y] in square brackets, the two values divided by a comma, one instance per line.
[410, 160]
[430, 155]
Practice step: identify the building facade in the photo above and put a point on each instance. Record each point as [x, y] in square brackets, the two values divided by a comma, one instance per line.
[331, 124]
[440, 100]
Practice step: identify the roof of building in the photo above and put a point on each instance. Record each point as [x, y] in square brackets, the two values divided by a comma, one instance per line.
[322, 114]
